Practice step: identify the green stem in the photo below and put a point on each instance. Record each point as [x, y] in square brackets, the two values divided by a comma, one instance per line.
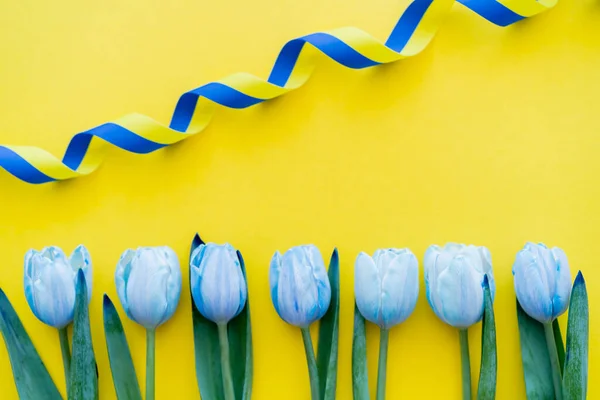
[382, 368]
[150, 356]
[225, 363]
[312, 363]
[66, 353]
[463, 336]
[556, 376]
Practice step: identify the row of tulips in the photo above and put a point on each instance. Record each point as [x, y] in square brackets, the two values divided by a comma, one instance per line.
[460, 290]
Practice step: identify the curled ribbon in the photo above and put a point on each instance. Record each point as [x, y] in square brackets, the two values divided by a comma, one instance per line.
[349, 47]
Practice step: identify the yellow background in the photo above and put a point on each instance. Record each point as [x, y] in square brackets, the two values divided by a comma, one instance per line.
[490, 136]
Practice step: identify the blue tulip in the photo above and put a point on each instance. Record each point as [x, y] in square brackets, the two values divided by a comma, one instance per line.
[542, 281]
[218, 285]
[300, 288]
[386, 286]
[454, 282]
[50, 280]
[148, 283]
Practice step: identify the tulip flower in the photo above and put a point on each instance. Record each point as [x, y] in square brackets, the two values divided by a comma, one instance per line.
[148, 283]
[543, 285]
[219, 292]
[454, 276]
[542, 281]
[301, 292]
[218, 284]
[386, 287]
[50, 279]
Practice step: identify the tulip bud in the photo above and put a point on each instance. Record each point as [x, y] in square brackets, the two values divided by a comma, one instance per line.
[542, 281]
[386, 286]
[148, 283]
[50, 280]
[218, 285]
[300, 288]
[454, 281]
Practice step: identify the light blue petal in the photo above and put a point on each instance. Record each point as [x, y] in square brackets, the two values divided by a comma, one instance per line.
[122, 276]
[53, 294]
[460, 293]
[319, 273]
[549, 267]
[432, 269]
[53, 253]
[367, 288]
[488, 270]
[195, 276]
[80, 259]
[221, 284]
[197, 255]
[562, 289]
[147, 286]
[297, 293]
[400, 289]
[454, 248]
[431, 254]
[473, 254]
[243, 292]
[531, 286]
[31, 274]
[29, 264]
[274, 271]
[173, 288]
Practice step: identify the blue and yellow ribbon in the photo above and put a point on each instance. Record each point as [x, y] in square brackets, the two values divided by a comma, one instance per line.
[350, 47]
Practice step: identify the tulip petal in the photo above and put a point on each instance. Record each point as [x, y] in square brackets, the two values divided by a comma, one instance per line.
[220, 284]
[432, 270]
[122, 277]
[302, 296]
[80, 258]
[197, 255]
[173, 285]
[274, 272]
[486, 259]
[321, 278]
[531, 286]
[297, 292]
[54, 293]
[562, 289]
[146, 289]
[460, 293]
[549, 267]
[367, 284]
[400, 288]
[53, 253]
[474, 254]
[243, 285]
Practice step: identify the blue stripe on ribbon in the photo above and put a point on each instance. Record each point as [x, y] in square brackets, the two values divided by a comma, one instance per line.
[493, 11]
[14, 164]
[113, 134]
[407, 24]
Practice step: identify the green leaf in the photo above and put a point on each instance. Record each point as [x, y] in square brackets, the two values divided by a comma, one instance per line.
[534, 355]
[207, 353]
[121, 365]
[360, 377]
[31, 377]
[83, 378]
[578, 331]
[489, 359]
[560, 347]
[327, 350]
